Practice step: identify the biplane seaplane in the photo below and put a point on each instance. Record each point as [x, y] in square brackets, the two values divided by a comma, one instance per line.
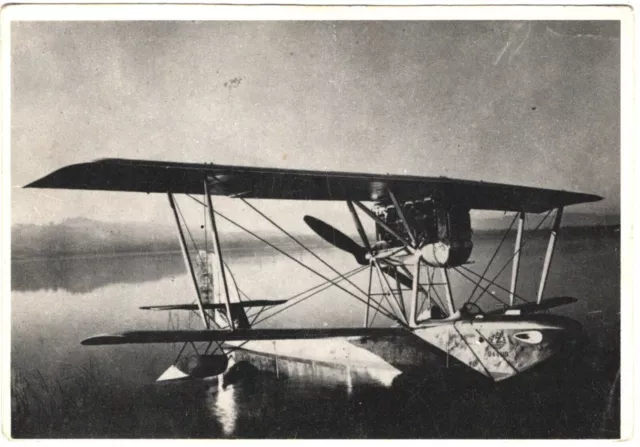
[423, 232]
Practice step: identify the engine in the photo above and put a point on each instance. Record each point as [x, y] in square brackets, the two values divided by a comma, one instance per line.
[443, 235]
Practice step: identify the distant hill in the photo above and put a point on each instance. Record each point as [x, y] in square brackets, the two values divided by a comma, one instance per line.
[80, 235]
[86, 236]
[568, 220]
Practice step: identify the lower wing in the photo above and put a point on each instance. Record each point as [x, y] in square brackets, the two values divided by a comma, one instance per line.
[237, 335]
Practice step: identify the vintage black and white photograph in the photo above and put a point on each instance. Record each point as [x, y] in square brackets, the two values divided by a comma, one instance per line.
[304, 228]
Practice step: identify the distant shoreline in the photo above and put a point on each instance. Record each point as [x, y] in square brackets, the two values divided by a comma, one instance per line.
[567, 232]
[116, 254]
[91, 255]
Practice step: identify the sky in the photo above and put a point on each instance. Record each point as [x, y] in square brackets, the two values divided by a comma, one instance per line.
[529, 103]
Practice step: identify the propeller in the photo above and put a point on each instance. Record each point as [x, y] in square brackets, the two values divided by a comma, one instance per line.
[338, 239]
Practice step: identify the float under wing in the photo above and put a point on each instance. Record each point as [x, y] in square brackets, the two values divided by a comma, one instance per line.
[289, 184]
[237, 335]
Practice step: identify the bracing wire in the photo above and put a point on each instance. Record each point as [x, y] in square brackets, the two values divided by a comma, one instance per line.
[304, 247]
[257, 315]
[506, 264]
[383, 311]
[495, 253]
[382, 293]
[504, 289]
[385, 295]
[235, 284]
[478, 282]
[326, 286]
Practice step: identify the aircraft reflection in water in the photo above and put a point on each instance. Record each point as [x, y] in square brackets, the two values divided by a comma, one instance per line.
[423, 235]
[221, 401]
[228, 404]
[231, 400]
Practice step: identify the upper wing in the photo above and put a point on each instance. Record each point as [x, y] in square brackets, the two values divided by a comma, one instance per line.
[265, 183]
[237, 335]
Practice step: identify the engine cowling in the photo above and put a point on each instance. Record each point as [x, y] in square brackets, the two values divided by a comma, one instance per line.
[443, 235]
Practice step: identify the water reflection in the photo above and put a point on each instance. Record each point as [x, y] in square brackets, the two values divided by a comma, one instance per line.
[221, 402]
[58, 302]
[87, 273]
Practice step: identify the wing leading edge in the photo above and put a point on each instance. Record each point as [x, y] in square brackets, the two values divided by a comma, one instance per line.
[237, 335]
[288, 184]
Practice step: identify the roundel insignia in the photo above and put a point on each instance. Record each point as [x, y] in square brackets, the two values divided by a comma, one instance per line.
[530, 337]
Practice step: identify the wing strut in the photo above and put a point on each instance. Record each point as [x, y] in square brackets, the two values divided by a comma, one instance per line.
[549, 255]
[367, 307]
[516, 258]
[187, 260]
[216, 246]
[447, 289]
[415, 289]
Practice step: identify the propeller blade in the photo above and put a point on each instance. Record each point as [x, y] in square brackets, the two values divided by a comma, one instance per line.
[402, 278]
[337, 238]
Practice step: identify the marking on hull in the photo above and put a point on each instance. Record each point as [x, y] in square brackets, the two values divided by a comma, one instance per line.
[490, 347]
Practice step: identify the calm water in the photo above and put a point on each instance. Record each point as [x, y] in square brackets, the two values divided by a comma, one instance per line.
[63, 389]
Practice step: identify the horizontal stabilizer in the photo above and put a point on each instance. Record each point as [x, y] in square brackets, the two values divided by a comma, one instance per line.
[216, 306]
[547, 304]
[237, 335]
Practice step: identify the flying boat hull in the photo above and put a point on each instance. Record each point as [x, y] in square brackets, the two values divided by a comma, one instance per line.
[496, 347]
